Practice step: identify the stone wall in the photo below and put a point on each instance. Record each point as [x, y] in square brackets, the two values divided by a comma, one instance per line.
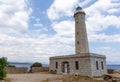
[39, 69]
[87, 64]
[14, 70]
[100, 69]
[84, 65]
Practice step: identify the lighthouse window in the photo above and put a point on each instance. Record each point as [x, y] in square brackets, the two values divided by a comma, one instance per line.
[77, 22]
[102, 65]
[77, 33]
[77, 42]
[56, 64]
[76, 65]
[97, 65]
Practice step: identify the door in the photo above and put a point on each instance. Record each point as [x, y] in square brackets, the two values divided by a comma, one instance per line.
[65, 67]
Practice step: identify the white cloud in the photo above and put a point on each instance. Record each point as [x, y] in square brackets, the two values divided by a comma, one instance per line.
[65, 28]
[84, 3]
[113, 11]
[61, 8]
[14, 15]
[16, 43]
[38, 23]
[100, 16]
[113, 58]
[105, 38]
[34, 49]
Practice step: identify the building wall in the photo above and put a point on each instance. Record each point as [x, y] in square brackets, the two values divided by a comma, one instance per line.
[99, 71]
[14, 70]
[40, 69]
[87, 65]
[84, 66]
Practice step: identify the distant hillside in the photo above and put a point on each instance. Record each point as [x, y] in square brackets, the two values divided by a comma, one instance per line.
[18, 63]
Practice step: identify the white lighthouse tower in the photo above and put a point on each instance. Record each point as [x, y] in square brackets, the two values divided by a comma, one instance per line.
[81, 41]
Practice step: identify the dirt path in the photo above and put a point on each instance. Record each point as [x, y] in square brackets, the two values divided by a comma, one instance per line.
[38, 77]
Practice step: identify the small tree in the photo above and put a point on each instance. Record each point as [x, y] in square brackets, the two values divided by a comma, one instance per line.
[36, 64]
[3, 64]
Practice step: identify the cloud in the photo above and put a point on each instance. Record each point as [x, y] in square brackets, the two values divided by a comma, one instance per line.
[38, 23]
[65, 27]
[61, 8]
[101, 16]
[18, 42]
[14, 18]
[14, 15]
[97, 11]
[105, 38]
[113, 58]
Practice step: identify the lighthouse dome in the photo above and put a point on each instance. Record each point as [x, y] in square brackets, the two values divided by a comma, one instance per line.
[79, 9]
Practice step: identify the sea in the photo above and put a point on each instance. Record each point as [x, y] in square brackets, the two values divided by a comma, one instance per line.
[46, 65]
[113, 67]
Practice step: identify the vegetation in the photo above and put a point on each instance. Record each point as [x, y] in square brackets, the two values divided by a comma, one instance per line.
[3, 64]
[36, 64]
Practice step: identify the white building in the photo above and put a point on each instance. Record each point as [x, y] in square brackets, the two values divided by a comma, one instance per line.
[83, 62]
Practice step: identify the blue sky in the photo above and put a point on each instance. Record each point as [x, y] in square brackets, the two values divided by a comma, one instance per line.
[34, 30]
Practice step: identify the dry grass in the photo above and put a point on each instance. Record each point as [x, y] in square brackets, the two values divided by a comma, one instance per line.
[8, 80]
[71, 78]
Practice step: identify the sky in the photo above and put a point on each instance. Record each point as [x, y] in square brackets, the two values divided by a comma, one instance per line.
[34, 30]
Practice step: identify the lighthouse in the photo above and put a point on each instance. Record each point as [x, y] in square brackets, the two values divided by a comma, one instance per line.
[82, 62]
[81, 41]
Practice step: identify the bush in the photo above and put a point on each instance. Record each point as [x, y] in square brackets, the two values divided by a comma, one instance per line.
[36, 64]
[3, 64]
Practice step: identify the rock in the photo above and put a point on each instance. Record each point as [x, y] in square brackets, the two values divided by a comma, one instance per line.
[107, 77]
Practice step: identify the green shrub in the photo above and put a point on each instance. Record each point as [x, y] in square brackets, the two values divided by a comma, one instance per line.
[3, 64]
[36, 64]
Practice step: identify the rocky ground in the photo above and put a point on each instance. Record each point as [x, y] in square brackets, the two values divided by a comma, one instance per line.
[43, 77]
